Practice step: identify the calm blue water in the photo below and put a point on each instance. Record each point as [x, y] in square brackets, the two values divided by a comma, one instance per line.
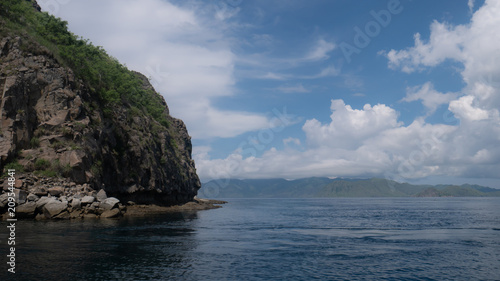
[260, 239]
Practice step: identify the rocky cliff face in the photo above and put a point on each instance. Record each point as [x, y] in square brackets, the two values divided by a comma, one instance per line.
[53, 125]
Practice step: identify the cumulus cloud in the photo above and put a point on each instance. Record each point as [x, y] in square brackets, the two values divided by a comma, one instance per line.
[350, 126]
[475, 45]
[464, 109]
[370, 141]
[430, 98]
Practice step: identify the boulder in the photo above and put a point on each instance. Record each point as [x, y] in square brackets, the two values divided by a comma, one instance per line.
[109, 203]
[26, 210]
[54, 208]
[78, 196]
[40, 191]
[101, 195]
[18, 183]
[76, 203]
[63, 216]
[42, 201]
[111, 213]
[75, 214]
[4, 199]
[56, 191]
[87, 200]
[32, 197]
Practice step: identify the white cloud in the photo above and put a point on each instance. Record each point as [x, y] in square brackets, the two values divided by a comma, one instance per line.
[464, 109]
[188, 59]
[325, 72]
[471, 5]
[430, 98]
[320, 51]
[476, 45]
[291, 140]
[372, 142]
[350, 126]
[273, 76]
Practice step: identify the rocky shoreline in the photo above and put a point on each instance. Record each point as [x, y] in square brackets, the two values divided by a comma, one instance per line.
[44, 198]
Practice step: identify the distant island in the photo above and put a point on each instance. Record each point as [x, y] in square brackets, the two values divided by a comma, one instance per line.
[318, 187]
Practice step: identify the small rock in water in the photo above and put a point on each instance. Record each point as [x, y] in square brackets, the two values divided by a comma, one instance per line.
[110, 213]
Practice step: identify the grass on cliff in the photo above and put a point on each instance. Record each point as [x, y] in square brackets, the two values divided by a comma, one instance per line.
[101, 73]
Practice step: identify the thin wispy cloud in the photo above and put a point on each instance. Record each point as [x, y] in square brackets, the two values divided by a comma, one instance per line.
[299, 88]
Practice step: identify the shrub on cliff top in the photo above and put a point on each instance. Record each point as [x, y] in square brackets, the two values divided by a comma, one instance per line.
[101, 73]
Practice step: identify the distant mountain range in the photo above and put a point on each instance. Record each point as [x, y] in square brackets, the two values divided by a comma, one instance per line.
[325, 187]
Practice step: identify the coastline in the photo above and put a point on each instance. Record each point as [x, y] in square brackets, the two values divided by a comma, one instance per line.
[197, 204]
[27, 196]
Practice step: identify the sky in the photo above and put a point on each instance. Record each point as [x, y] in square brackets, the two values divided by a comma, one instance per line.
[401, 89]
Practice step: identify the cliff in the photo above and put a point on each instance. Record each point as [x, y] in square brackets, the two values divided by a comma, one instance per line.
[69, 111]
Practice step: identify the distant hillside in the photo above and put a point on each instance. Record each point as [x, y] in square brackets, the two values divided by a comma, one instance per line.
[325, 187]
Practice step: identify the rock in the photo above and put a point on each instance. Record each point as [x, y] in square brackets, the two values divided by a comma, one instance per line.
[26, 210]
[90, 216]
[76, 203]
[87, 200]
[42, 201]
[109, 203]
[40, 192]
[101, 195]
[63, 216]
[4, 199]
[95, 205]
[32, 197]
[18, 183]
[54, 208]
[75, 214]
[40, 217]
[20, 196]
[78, 196]
[56, 191]
[122, 208]
[111, 213]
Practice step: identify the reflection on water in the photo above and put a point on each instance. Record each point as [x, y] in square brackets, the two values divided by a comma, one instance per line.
[103, 249]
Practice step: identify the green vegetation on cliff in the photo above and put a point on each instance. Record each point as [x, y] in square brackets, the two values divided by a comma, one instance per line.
[101, 73]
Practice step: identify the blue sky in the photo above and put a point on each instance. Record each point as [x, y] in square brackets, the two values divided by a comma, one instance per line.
[406, 90]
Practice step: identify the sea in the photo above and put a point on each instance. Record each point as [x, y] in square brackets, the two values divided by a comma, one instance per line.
[271, 239]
